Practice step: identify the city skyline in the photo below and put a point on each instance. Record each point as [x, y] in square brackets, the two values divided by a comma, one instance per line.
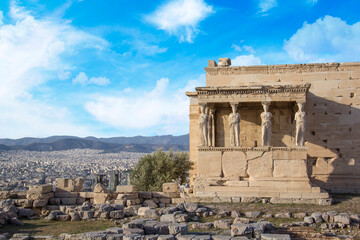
[95, 68]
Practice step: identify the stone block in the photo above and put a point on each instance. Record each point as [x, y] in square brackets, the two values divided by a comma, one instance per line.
[177, 200]
[142, 211]
[131, 202]
[86, 195]
[223, 224]
[180, 228]
[99, 188]
[165, 200]
[166, 237]
[260, 164]
[25, 203]
[241, 230]
[43, 188]
[40, 203]
[145, 195]
[150, 203]
[126, 188]
[68, 201]
[39, 196]
[66, 194]
[5, 194]
[268, 236]
[127, 196]
[69, 185]
[290, 168]
[234, 165]
[169, 187]
[54, 201]
[209, 164]
[168, 218]
[117, 214]
[166, 194]
[100, 198]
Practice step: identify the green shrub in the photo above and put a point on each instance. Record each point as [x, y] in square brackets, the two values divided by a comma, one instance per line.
[160, 167]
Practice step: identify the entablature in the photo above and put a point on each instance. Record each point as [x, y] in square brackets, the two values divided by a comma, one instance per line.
[278, 93]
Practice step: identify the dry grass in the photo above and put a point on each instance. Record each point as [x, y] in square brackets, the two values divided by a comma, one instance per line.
[54, 228]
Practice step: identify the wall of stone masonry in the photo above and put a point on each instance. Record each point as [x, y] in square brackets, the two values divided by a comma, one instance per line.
[333, 116]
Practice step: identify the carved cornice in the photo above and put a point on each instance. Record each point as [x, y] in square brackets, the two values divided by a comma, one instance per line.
[251, 90]
[245, 149]
[295, 68]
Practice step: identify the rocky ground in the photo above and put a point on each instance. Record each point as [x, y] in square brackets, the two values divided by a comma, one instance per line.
[191, 221]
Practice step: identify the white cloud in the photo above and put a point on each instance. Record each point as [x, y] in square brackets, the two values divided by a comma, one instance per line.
[146, 48]
[181, 17]
[83, 80]
[329, 39]
[101, 81]
[64, 75]
[243, 48]
[32, 52]
[246, 60]
[266, 5]
[162, 108]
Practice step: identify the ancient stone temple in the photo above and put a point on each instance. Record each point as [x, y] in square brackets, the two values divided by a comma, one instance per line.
[290, 133]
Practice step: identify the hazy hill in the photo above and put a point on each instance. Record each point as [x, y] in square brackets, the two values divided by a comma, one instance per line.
[114, 144]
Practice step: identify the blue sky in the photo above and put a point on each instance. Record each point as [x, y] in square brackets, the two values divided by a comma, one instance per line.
[120, 68]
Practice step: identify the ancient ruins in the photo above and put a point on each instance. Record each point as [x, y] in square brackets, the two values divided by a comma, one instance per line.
[289, 133]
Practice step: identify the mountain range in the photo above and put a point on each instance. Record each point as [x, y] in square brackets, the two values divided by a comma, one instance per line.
[113, 144]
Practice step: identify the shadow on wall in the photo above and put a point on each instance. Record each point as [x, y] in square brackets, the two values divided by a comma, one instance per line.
[333, 139]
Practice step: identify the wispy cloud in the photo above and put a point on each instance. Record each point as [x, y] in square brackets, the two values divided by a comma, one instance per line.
[246, 60]
[84, 80]
[243, 48]
[32, 53]
[326, 40]
[161, 108]
[311, 2]
[266, 5]
[181, 17]
[145, 48]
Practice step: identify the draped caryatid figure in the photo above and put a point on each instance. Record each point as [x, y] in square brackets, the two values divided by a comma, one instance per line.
[234, 122]
[300, 125]
[266, 124]
[211, 126]
[203, 126]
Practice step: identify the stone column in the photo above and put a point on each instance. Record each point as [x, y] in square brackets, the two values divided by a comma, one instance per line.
[266, 124]
[234, 122]
[300, 118]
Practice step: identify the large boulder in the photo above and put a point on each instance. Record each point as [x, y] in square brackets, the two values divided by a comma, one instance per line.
[180, 228]
[191, 207]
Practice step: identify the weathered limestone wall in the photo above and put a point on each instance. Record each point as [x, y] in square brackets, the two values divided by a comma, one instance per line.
[333, 117]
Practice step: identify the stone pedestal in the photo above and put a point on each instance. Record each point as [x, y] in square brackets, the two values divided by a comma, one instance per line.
[261, 172]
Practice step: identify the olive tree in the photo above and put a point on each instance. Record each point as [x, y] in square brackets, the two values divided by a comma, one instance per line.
[160, 167]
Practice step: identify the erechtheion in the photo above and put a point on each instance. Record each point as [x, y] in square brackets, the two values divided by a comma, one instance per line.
[290, 133]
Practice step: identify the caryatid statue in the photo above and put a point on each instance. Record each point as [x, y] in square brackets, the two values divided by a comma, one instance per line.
[203, 126]
[266, 124]
[211, 126]
[300, 125]
[234, 121]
